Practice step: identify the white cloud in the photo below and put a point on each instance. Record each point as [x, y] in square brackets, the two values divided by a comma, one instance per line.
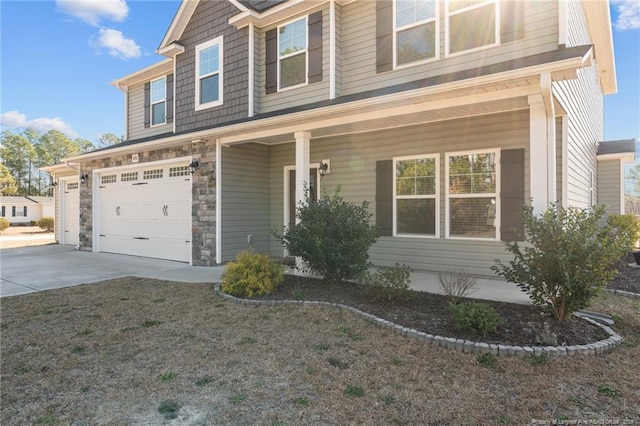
[628, 14]
[17, 120]
[92, 11]
[117, 44]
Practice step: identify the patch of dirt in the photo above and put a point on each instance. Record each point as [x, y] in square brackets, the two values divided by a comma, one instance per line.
[431, 313]
[628, 278]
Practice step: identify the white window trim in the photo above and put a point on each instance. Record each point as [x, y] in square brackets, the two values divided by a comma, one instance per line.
[152, 103]
[435, 196]
[447, 14]
[216, 41]
[297, 52]
[496, 194]
[416, 24]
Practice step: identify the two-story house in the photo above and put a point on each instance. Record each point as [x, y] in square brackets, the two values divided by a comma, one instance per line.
[446, 115]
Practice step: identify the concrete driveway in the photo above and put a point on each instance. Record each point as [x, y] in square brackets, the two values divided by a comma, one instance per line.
[30, 269]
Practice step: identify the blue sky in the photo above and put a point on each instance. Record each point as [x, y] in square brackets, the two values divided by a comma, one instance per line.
[59, 56]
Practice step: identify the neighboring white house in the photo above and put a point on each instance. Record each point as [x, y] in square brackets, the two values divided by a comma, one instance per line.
[24, 210]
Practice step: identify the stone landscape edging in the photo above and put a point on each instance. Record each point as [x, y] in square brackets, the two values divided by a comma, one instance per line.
[623, 292]
[460, 345]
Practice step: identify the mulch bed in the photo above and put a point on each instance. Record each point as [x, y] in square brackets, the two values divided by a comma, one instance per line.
[428, 312]
[628, 278]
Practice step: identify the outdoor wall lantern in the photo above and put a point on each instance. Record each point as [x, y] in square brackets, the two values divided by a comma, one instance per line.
[325, 168]
[84, 178]
[193, 166]
[54, 183]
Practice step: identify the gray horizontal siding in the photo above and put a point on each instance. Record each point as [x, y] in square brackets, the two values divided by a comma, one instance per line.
[292, 97]
[577, 32]
[353, 162]
[135, 116]
[209, 21]
[245, 199]
[358, 49]
[609, 186]
[583, 102]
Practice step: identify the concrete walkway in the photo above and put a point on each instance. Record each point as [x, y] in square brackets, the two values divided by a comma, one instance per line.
[30, 269]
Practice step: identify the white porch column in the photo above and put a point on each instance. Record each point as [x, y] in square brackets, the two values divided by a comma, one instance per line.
[303, 143]
[538, 167]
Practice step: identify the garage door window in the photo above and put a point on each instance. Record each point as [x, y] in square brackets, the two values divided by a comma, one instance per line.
[179, 171]
[73, 185]
[108, 179]
[129, 177]
[152, 174]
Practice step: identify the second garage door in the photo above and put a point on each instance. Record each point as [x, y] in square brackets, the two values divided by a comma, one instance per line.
[146, 211]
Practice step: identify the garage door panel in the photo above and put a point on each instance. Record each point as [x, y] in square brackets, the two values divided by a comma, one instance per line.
[149, 217]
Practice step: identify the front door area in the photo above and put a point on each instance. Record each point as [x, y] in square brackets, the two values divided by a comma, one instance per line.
[290, 195]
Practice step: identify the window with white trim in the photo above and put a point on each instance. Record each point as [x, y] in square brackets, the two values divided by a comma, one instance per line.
[158, 101]
[415, 35]
[209, 67]
[471, 24]
[416, 189]
[104, 179]
[472, 180]
[292, 53]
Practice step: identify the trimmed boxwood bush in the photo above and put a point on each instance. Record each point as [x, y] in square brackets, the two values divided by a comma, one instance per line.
[46, 223]
[251, 274]
[476, 317]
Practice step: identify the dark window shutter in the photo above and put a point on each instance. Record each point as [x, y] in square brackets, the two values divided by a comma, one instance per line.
[25, 211]
[511, 20]
[169, 99]
[147, 104]
[271, 61]
[512, 194]
[13, 211]
[384, 197]
[3, 212]
[315, 47]
[384, 35]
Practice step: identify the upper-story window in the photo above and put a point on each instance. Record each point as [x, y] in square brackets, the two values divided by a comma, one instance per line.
[209, 74]
[292, 53]
[158, 101]
[471, 24]
[415, 31]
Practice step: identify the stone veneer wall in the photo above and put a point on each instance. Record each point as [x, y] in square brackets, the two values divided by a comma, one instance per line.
[203, 211]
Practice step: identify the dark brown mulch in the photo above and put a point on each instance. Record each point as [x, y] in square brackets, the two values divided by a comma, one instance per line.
[431, 313]
[628, 278]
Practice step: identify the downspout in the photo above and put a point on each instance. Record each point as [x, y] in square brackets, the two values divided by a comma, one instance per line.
[125, 90]
[332, 49]
[218, 202]
[251, 68]
[546, 90]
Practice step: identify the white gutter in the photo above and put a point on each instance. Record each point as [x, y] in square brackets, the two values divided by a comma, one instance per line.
[341, 109]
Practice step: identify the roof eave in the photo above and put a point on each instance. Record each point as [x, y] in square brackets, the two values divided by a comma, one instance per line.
[599, 23]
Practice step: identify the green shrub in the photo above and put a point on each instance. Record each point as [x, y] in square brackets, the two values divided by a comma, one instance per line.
[476, 317]
[626, 228]
[333, 237]
[251, 275]
[566, 260]
[46, 223]
[389, 283]
[4, 224]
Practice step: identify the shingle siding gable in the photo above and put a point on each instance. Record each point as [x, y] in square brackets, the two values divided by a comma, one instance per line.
[210, 20]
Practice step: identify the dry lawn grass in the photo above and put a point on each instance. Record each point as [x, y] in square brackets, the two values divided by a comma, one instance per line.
[113, 352]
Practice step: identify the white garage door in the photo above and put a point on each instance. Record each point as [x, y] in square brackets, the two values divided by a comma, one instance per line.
[146, 212]
[71, 213]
